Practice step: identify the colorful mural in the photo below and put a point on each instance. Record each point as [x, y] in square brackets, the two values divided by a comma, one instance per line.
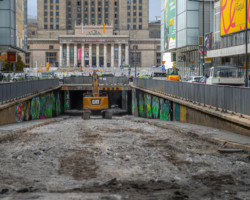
[133, 102]
[44, 106]
[180, 112]
[148, 106]
[165, 112]
[35, 108]
[155, 107]
[141, 105]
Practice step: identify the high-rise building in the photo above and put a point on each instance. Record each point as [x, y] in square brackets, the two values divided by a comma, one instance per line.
[94, 32]
[13, 25]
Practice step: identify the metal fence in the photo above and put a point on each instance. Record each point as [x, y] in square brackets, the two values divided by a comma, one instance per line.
[16, 90]
[236, 99]
[102, 80]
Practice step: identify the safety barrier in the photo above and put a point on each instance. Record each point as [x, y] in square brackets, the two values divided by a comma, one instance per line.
[105, 80]
[235, 99]
[17, 90]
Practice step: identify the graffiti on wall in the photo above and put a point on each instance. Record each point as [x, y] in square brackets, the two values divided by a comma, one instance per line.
[165, 112]
[35, 108]
[148, 106]
[180, 113]
[44, 106]
[155, 107]
[141, 105]
[133, 102]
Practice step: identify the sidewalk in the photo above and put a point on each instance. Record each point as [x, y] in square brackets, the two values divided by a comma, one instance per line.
[10, 130]
[222, 137]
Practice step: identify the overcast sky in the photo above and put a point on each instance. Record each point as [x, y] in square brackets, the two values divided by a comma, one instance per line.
[154, 8]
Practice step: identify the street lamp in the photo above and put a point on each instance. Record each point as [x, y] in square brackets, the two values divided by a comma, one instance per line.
[246, 55]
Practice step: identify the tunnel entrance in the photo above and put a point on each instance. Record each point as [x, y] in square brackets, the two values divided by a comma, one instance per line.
[120, 99]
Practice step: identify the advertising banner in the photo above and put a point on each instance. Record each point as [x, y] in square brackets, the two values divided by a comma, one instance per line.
[86, 52]
[79, 54]
[169, 24]
[233, 16]
[208, 41]
[116, 53]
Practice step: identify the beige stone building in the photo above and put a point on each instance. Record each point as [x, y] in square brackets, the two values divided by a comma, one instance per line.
[71, 33]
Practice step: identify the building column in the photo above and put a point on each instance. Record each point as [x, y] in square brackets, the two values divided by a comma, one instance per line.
[105, 55]
[83, 56]
[61, 55]
[120, 55]
[90, 55]
[75, 55]
[112, 55]
[97, 55]
[126, 54]
[68, 58]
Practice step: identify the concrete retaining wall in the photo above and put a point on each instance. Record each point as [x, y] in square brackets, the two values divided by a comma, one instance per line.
[153, 105]
[46, 105]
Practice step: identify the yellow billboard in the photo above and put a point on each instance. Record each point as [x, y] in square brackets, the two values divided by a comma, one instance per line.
[233, 16]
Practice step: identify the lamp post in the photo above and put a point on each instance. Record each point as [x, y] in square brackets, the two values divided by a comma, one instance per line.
[246, 55]
[203, 18]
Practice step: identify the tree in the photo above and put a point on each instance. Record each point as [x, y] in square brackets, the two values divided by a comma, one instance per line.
[8, 67]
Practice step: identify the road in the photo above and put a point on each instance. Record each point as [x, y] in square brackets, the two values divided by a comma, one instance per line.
[118, 159]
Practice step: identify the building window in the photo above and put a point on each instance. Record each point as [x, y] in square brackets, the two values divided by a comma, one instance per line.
[45, 19]
[57, 7]
[158, 61]
[51, 13]
[57, 19]
[79, 3]
[85, 3]
[33, 33]
[78, 9]
[57, 13]
[134, 1]
[134, 13]
[51, 27]
[51, 7]
[69, 3]
[140, 14]
[45, 14]
[134, 27]
[51, 47]
[45, 1]
[129, 20]
[51, 19]
[27, 58]
[51, 1]
[140, 19]
[158, 47]
[140, 27]
[45, 7]
[158, 54]
[57, 1]
[129, 14]
[51, 58]
[134, 20]
[129, 7]
[45, 26]
[57, 27]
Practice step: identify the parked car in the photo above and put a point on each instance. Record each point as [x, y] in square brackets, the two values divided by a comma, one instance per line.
[203, 80]
[194, 79]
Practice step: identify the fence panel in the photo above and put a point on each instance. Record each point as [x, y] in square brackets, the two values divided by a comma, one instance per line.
[230, 98]
[15, 90]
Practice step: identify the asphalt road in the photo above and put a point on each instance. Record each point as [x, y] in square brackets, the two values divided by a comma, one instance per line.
[118, 159]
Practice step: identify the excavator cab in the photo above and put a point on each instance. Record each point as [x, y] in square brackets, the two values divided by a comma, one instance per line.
[95, 102]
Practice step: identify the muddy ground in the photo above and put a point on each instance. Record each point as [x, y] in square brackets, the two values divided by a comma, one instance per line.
[119, 159]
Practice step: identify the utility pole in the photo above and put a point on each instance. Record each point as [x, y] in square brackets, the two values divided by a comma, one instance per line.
[203, 38]
[246, 55]
[129, 46]
[135, 56]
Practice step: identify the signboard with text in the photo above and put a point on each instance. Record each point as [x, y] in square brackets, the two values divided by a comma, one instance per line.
[11, 57]
[233, 16]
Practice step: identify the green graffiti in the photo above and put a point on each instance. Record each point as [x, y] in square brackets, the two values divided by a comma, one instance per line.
[141, 105]
[46, 106]
[53, 104]
[133, 102]
[58, 105]
[165, 110]
[35, 108]
[148, 105]
[155, 107]
[177, 112]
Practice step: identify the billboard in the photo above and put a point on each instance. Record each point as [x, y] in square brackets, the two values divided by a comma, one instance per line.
[233, 16]
[169, 24]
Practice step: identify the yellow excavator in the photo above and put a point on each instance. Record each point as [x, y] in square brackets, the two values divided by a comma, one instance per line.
[95, 102]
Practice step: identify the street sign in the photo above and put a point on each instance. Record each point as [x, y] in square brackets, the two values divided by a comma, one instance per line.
[163, 68]
[163, 62]
[11, 56]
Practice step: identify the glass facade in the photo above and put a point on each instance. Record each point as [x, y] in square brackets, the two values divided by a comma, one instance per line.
[13, 21]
